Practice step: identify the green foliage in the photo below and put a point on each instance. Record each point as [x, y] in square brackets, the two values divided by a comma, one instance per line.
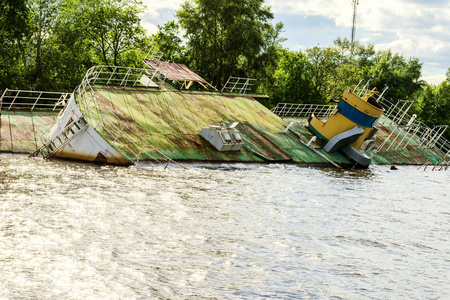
[265, 64]
[40, 51]
[324, 64]
[14, 20]
[229, 38]
[400, 74]
[434, 105]
[111, 27]
[293, 83]
[169, 43]
[14, 17]
[50, 44]
[322, 73]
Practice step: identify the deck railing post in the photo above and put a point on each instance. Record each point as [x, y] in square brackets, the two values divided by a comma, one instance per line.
[1, 99]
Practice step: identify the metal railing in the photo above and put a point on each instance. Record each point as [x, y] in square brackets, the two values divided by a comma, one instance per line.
[62, 138]
[365, 93]
[31, 100]
[124, 76]
[398, 112]
[122, 137]
[125, 139]
[239, 85]
[404, 127]
[410, 129]
[438, 166]
[418, 136]
[303, 110]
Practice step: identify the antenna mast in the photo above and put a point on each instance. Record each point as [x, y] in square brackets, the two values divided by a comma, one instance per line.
[355, 5]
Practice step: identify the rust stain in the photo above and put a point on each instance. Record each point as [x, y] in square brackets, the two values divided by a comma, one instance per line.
[261, 142]
[21, 130]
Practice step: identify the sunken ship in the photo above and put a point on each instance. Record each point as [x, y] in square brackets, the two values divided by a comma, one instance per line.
[165, 113]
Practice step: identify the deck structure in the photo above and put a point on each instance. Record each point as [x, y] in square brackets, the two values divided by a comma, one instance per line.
[124, 115]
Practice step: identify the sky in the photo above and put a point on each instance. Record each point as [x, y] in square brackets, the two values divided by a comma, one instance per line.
[414, 28]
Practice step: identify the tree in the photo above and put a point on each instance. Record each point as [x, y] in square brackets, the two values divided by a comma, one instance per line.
[111, 26]
[400, 74]
[434, 105]
[228, 38]
[15, 20]
[71, 55]
[293, 83]
[39, 50]
[168, 42]
[322, 73]
[265, 64]
[324, 63]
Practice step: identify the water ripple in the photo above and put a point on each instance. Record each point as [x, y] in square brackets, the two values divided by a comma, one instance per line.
[226, 231]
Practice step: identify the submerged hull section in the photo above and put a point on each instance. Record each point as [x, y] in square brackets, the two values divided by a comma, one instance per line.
[121, 115]
[170, 121]
[88, 145]
[128, 124]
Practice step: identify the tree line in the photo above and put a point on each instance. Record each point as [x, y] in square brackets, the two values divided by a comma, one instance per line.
[49, 45]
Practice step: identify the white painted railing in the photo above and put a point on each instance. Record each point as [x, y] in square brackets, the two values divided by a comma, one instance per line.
[303, 110]
[404, 127]
[31, 100]
[239, 85]
[123, 137]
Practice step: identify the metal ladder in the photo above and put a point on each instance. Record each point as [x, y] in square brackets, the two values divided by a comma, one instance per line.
[60, 140]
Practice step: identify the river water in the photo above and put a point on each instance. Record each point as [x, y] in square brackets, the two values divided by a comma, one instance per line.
[227, 231]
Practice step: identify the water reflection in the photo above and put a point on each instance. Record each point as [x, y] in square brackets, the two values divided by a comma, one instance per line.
[71, 230]
[350, 173]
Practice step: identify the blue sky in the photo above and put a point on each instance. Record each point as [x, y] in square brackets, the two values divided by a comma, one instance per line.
[414, 28]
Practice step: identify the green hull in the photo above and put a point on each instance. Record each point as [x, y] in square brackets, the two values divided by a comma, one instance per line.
[170, 121]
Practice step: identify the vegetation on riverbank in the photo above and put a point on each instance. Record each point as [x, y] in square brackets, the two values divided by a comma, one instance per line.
[49, 45]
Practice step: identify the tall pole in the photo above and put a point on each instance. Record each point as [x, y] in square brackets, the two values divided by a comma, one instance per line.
[355, 5]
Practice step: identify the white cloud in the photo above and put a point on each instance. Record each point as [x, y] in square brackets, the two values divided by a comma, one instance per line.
[158, 4]
[372, 15]
[333, 9]
[154, 6]
[149, 19]
[434, 79]
[297, 47]
[411, 27]
[412, 44]
[149, 27]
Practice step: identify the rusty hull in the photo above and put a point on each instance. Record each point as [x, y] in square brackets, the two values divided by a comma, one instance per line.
[21, 131]
[170, 120]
